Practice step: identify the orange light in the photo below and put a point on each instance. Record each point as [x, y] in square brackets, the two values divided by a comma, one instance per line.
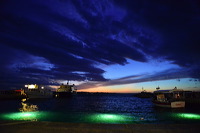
[18, 90]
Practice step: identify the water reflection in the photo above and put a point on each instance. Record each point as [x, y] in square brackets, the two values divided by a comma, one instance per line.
[28, 107]
[28, 112]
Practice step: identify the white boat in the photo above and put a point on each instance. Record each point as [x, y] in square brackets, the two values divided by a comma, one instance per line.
[65, 90]
[169, 98]
[34, 91]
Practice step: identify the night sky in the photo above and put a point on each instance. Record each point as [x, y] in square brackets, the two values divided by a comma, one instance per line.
[100, 45]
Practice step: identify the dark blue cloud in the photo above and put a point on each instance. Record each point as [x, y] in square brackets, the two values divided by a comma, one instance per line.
[146, 77]
[68, 39]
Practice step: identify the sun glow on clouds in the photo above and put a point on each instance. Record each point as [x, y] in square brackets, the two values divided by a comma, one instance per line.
[112, 89]
[133, 77]
[184, 84]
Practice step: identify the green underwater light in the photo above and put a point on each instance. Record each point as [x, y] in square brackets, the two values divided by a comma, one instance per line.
[110, 118]
[188, 116]
[32, 116]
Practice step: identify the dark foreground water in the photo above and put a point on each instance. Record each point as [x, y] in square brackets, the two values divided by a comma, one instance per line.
[95, 108]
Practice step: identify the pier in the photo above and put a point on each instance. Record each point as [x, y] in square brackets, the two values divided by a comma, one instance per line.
[55, 127]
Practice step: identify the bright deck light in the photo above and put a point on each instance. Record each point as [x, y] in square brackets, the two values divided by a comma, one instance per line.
[32, 86]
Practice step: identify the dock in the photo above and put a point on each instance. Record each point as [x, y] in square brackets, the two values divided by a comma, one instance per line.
[58, 127]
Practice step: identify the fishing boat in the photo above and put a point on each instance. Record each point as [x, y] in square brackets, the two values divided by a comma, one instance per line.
[65, 90]
[34, 91]
[169, 98]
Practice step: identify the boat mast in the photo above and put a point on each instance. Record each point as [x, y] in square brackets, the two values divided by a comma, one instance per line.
[158, 88]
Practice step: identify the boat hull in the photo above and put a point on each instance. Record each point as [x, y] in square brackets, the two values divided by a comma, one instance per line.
[178, 104]
[175, 104]
[38, 95]
[63, 94]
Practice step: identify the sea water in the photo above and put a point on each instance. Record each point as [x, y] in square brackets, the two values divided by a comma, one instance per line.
[95, 108]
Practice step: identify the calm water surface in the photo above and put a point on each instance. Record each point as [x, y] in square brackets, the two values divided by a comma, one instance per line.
[96, 108]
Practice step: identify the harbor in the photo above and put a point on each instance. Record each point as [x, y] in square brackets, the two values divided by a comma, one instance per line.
[95, 112]
[80, 65]
[104, 108]
[162, 98]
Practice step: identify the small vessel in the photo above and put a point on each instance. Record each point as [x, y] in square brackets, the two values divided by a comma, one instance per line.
[174, 98]
[144, 94]
[34, 91]
[65, 90]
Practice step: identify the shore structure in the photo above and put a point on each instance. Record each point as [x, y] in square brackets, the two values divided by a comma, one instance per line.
[55, 127]
[12, 94]
[144, 94]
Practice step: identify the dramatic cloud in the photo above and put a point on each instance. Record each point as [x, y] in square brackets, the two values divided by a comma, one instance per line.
[147, 77]
[50, 41]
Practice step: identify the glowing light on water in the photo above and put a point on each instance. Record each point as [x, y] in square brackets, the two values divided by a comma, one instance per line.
[110, 118]
[31, 116]
[75, 117]
[188, 116]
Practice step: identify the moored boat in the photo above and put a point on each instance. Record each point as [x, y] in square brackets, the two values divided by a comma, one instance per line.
[169, 98]
[65, 90]
[34, 91]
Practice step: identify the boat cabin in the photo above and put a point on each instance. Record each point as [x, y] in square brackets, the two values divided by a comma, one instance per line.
[169, 95]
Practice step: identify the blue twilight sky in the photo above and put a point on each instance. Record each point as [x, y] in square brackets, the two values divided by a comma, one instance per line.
[100, 45]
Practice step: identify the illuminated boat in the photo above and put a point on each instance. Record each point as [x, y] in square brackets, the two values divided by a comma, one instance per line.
[34, 91]
[65, 90]
[169, 98]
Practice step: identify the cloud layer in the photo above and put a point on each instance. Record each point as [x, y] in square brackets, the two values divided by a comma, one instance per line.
[47, 42]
